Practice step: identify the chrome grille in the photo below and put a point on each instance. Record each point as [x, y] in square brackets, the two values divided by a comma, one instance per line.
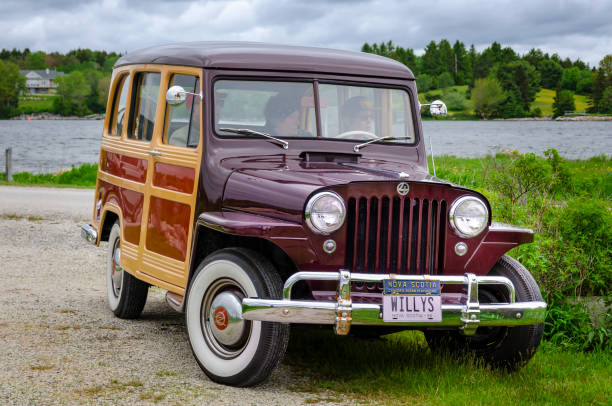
[400, 235]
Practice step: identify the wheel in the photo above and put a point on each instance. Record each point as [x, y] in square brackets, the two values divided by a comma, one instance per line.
[126, 294]
[500, 347]
[357, 134]
[230, 350]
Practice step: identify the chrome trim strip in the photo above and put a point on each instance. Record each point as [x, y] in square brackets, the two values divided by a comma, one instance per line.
[89, 234]
[495, 226]
[342, 313]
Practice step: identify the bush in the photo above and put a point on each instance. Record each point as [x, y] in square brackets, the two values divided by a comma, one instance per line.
[455, 101]
[570, 326]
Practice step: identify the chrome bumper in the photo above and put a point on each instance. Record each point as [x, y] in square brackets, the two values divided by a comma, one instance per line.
[342, 313]
[89, 234]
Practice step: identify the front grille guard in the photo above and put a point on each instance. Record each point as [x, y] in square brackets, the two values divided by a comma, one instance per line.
[342, 313]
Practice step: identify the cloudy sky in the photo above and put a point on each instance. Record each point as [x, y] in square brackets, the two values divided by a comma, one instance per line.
[575, 29]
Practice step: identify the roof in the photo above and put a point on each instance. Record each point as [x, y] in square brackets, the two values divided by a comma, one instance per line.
[41, 73]
[252, 55]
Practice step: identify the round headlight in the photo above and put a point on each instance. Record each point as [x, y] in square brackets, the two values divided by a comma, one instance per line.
[468, 216]
[325, 212]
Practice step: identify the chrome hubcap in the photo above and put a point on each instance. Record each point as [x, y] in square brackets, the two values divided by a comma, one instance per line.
[117, 271]
[225, 317]
[225, 332]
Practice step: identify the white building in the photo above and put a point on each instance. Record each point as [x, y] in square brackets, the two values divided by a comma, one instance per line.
[41, 81]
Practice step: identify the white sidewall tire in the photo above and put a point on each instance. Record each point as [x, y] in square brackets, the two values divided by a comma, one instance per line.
[203, 280]
[115, 234]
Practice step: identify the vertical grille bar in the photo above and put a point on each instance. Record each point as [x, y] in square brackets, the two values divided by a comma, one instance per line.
[433, 241]
[442, 238]
[400, 237]
[414, 230]
[389, 234]
[423, 242]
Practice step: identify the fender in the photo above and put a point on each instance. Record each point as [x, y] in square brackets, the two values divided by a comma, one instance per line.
[288, 236]
[500, 239]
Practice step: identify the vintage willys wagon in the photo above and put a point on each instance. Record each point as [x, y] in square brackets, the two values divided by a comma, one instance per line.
[263, 185]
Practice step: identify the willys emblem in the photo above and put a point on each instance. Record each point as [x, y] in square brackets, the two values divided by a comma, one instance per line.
[403, 189]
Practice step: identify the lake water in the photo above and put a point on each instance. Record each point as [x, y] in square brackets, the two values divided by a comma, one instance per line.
[46, 146]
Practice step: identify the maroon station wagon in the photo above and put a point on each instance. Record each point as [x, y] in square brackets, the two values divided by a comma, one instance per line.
[263, 185]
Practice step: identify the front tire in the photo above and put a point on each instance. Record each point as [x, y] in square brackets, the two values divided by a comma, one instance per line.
[500, 347]
[230, 350]
[126, 294]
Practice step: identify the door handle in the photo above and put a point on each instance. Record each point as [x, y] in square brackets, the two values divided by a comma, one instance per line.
[154, 152]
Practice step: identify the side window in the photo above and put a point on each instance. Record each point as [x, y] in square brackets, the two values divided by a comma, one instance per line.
[144, 103]
[183, 120]
[119, 101]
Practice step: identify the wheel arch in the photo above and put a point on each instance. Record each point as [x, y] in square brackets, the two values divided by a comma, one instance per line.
[209, 239]
[110, 214]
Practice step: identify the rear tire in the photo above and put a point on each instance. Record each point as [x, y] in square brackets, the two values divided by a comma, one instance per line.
[232, 351]
[500, 347]
[126, 294]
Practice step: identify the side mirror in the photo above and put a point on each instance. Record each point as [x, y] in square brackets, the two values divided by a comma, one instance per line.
[177, 95]
[437, 108]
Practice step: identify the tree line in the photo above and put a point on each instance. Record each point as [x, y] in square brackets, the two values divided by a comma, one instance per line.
[82, 90]
[502, 83]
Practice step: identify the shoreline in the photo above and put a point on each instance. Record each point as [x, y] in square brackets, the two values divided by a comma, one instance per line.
[53, 116]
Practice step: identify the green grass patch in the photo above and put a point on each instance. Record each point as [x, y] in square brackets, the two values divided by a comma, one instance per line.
[38, 105]
[546, 97]
[82, 176]
[400, 369]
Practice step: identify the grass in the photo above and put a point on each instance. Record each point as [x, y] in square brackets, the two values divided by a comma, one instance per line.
[40, 105]
[400, 369]
[82, 176]
[546, 97]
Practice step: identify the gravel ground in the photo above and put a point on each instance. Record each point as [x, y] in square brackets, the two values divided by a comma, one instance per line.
[61, 344]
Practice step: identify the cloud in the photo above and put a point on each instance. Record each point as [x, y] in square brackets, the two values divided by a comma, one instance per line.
[572, 28]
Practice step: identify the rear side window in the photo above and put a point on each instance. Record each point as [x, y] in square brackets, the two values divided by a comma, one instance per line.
[119, 103]
[144, 105]
[183, 120]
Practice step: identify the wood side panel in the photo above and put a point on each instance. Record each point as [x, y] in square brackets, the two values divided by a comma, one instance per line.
[168, 228]
[125, 166]
[131, 204]
[174, 177]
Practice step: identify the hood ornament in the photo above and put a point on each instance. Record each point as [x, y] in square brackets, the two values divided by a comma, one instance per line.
[403, 189]
[403, 175]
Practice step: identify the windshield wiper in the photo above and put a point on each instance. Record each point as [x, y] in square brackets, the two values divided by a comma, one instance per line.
[247, 131]
[356, 148]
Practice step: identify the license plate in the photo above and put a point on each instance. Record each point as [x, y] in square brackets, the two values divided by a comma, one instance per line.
[412, 300]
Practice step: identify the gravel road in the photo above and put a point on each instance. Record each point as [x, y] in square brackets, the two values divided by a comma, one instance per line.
[61, 344]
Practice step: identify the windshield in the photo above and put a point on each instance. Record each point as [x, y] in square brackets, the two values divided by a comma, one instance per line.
[287, 109]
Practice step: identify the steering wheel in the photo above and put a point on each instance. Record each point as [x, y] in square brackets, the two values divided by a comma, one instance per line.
[357, 134]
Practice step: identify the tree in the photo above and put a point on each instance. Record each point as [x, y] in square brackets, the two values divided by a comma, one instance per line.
[445, 80]
[487, 95]
[36, 60]
[463, 67]
[564, 101]
[431, 60]
[550, 73]
[603, 79]
[11, 83]
[605, 103]
[425, 82]
[520, 78]
[585, 82]
[570, 78]
[72, 92]
[446, 57]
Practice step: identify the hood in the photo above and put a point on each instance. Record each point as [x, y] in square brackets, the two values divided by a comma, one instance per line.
[278, 186]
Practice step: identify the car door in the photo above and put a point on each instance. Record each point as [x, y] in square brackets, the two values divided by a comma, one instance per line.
[171, 187]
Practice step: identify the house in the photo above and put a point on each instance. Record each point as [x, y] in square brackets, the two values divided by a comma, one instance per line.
[41, 81]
